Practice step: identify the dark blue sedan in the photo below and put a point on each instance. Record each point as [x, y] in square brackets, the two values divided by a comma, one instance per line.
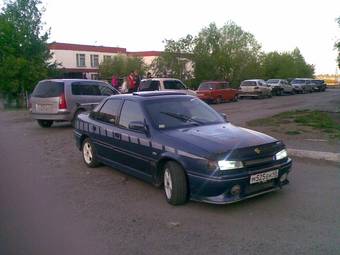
[180, 143]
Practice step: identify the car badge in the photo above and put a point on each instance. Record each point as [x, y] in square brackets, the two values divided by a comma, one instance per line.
[257, 150]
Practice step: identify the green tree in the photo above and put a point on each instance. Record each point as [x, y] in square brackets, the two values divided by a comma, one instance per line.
[121, 66]
[226, 53]
[24, 52]
[286, 65]
[176, 60]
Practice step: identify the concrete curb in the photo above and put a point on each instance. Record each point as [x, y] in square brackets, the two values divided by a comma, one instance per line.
[318, 155]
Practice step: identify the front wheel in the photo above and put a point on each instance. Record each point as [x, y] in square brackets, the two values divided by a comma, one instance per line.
[45, 123]
[89, 154]
[175, 184]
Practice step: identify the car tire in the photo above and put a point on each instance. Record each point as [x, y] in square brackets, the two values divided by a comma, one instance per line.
[75, 116]
[235, 98]
[45, 123]
[89, 153]
[175, 184]
[218, 100]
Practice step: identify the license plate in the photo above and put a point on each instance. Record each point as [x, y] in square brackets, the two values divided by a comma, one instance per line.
[43, 107]
[263, 177]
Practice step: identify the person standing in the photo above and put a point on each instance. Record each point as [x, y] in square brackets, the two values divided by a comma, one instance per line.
[137, 80]
[114, 82]
[131, 82]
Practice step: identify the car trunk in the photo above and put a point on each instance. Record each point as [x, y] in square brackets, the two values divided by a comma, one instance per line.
[48, 97]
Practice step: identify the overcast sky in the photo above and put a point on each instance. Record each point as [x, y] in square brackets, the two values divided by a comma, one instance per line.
[142, 25]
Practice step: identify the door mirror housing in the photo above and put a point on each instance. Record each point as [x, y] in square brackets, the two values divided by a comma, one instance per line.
[138, 126]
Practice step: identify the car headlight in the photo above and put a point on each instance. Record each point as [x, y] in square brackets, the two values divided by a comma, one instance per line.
[229, 165]
[281, 154]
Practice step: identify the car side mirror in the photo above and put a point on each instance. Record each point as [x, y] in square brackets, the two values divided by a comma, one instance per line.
[224, 116]
[138, 126]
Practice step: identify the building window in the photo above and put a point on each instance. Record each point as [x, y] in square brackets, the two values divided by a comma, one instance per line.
[94, 60]
[107, 57]
[94, 76]
[80, 60]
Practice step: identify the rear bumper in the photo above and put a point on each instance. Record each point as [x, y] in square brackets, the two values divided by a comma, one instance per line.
[60, 116]
[250, 94]
[218, 191]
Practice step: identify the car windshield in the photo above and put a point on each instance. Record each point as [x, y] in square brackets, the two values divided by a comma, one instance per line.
[205, 86]
[298, 81]
[273, 81]
[181, 112]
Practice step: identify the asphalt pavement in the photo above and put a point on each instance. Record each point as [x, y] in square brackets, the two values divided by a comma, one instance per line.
[51, 203]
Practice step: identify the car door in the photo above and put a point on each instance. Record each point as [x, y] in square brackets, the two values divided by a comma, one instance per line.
[104, 128]
[228, 93]
[134, 144]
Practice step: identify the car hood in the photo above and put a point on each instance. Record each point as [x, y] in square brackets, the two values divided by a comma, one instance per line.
[220, 138]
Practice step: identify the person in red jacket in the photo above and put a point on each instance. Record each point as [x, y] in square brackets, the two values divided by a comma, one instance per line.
[131, 82]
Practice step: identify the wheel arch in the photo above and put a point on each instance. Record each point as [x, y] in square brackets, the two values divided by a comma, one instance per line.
[158, 177]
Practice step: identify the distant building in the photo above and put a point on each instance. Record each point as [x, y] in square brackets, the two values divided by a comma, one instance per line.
[82, 61]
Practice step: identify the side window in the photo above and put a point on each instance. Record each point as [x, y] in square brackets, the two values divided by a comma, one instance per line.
[173, 84]
[154, 85]
[131, 111]
[225, 85]
[106, 91]
[109, 111]
[85, 89]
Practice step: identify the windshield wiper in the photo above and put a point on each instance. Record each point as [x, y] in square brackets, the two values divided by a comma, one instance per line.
[182, 117]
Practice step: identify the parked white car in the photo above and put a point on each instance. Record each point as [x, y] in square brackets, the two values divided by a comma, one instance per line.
[170, 84]
[255, 88]
[302, 85]
[280, 86]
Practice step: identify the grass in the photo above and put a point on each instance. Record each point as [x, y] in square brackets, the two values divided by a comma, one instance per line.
[324, 121]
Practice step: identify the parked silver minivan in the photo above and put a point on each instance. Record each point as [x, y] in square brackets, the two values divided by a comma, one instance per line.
[63, 99]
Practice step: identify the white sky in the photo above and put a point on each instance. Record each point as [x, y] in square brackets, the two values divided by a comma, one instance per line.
[142, 25]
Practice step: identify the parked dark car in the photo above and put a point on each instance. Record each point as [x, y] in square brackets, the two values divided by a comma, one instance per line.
[178, 142]
[318, 85]
[216, 92]
[64, 99]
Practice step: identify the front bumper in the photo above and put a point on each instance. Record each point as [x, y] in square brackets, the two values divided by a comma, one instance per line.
[218, 190]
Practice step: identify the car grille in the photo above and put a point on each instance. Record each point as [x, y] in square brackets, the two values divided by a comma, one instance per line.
[256, 162]
[254, 188]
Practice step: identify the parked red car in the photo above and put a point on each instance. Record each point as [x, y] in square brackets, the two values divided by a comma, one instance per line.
[216, 92]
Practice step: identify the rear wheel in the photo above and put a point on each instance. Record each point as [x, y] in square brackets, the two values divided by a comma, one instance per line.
[175, 184]
[45, 123]
[89, 154]
[235, 98]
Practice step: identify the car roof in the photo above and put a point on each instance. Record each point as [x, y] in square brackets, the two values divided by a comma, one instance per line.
[214, 82]
[161, 79]
[254, 80]
[63, 80]
[150, 95]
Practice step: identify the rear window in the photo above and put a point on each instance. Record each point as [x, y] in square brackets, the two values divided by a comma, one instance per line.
[48, 89]
[248, 83]
[148, 85]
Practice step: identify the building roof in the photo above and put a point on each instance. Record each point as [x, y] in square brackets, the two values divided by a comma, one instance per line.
[104, 49]
[82, 47]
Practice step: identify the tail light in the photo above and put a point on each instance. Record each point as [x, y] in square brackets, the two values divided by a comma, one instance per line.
[62, 102]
